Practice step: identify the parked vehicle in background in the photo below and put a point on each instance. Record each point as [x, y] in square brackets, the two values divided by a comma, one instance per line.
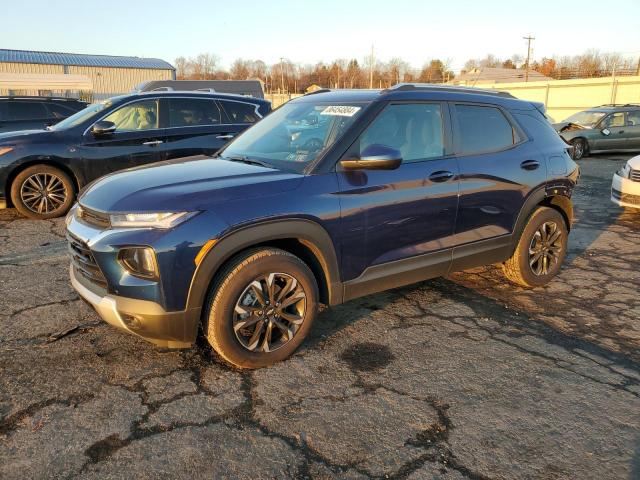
[625, 187]
[403, 184]
[602, 129]
[31, 113]
[41, 171]
[249, 88]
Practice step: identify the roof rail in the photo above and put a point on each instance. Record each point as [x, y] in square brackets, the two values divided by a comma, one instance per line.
[402, 87]
[620, 105]
[208, 90]
[321, 90]
[40, 98]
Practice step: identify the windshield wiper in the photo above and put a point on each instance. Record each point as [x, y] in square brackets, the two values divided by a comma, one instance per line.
[247, 160]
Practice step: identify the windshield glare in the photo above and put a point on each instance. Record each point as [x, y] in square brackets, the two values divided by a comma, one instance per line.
[83, 115]
[586, 119]
[296, 134]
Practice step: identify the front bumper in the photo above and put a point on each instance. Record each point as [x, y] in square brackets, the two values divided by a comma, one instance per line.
[625, 192]
[140, 317]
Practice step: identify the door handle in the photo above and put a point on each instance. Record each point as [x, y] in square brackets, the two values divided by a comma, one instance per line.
[621, 131]
[440, 176]
[529, 165]
[226, 136]
[153, 142]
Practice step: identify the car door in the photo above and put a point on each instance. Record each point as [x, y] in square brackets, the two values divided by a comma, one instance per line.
[195, 126]
[402, 219]
[615, 123]
[136, 140]
[499, 168]
[632, 131]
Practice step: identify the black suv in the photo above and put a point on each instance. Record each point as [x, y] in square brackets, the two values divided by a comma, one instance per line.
[41, 171]
[29, 113]
[333, 196]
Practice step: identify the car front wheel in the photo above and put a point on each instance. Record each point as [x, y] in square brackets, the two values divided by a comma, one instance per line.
[579, 148]
[42, 192]
[261, 308]
[541, 249]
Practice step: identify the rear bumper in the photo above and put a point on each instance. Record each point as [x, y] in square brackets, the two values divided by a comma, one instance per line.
[625, 192]
[143, 318]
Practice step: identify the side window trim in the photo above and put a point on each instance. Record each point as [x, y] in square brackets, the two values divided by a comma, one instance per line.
[515, 128]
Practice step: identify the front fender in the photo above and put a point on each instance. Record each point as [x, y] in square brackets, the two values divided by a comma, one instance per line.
[311, 234]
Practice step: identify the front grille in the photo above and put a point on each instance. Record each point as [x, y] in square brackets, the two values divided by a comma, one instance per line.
[634, 175]
[84, 262]
[625, 197]
[93, 217]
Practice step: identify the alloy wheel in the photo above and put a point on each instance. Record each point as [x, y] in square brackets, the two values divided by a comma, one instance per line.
[269, 312]
[43, 193]
[545, 248]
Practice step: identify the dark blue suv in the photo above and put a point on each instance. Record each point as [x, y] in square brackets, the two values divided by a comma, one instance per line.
[335, 195]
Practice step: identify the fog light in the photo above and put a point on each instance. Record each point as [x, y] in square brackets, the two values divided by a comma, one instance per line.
[131, 321]
[139, 261]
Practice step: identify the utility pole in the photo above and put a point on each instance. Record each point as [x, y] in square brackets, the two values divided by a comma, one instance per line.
[282, 73]
[371, 68]
[526, 72]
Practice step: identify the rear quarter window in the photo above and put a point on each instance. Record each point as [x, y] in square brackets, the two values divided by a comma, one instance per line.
[240, 112]
[483, 129]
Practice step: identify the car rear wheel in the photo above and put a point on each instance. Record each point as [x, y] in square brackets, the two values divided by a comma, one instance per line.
[261, 308]
[579, 148]
[540, 251]
[42, 191]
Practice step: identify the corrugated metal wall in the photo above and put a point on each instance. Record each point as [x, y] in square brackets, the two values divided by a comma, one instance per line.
[107, 82]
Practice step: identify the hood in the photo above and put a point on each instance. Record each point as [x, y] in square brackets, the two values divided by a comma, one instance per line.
[187, 184]
[25, 136]
[564, 126]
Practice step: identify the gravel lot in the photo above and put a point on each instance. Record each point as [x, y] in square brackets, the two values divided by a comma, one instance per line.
[463, 377]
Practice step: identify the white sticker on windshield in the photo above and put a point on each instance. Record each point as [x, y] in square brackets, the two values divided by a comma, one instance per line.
[340, 110]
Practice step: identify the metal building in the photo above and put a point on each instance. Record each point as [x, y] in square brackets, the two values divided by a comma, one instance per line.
[109, 75]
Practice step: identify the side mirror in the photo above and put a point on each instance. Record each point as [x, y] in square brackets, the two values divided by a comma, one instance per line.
[103, 128]
[606, 131]
[374, 157]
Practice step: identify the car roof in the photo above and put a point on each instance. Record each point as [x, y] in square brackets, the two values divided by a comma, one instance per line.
[40, 98]
[195, 93]
[614, 108]
[413, 91]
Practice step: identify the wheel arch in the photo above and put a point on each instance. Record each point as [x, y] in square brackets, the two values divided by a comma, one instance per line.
[306, 239]
[33, 162]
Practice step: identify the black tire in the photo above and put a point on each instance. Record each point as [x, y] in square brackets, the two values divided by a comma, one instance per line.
[519, 268]
[233, 297]
[42, 191]
[580, 148]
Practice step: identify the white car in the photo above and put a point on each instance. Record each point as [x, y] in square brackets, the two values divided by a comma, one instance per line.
[625, 188]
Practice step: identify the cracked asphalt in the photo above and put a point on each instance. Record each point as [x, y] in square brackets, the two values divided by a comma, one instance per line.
[465, 377]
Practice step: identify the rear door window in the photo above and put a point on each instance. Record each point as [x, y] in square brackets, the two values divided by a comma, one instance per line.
[240, 112]
[633, 118]
[483, 129]
[4, 111]
[191, 112]
[27, 111]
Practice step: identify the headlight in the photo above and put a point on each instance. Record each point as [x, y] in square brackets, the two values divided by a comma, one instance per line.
[139, 261]
[4, 150]
[150, 220]
[625, 171]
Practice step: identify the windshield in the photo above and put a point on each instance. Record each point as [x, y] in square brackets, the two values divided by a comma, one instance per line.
[295, 135]
[83, 115]
[586, 119]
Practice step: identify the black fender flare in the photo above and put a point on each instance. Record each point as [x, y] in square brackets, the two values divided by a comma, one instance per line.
[552, 196]
[311, 234]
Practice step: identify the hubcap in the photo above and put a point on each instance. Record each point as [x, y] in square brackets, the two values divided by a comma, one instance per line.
[545, 248]
[43, 193]
[578, 149]
[269, 312]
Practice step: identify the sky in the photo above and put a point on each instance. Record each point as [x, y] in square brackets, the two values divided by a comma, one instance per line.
[322, 30]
